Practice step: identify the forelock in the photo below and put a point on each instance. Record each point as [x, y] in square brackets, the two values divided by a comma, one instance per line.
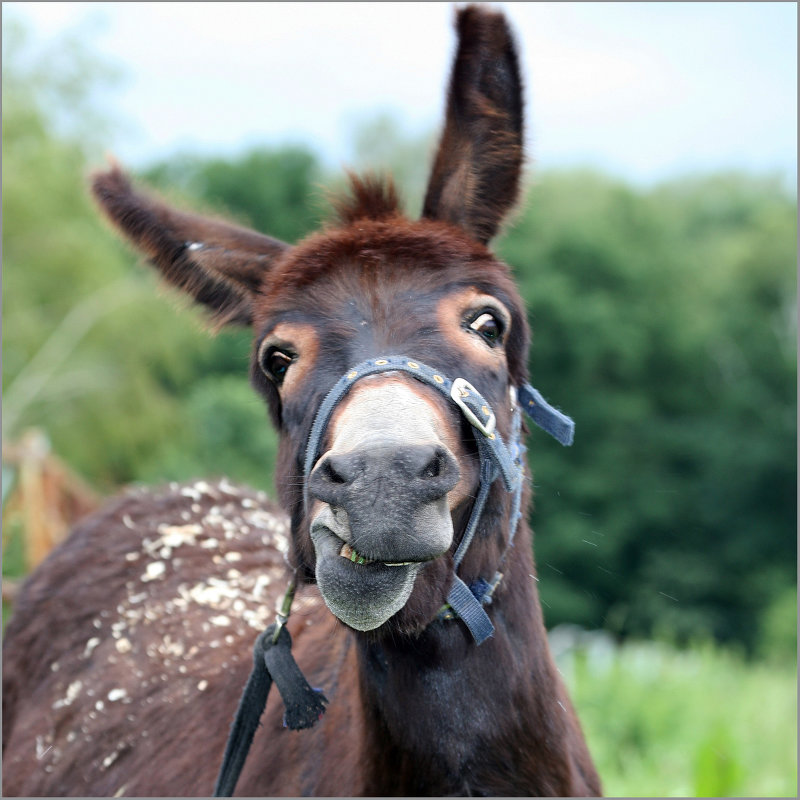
[368, 197]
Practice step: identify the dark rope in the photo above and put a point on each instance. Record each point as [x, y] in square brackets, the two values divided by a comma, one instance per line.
[248, 714]
[272, 660]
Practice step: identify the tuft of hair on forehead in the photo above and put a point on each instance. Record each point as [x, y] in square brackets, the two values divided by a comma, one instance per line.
[369, 196]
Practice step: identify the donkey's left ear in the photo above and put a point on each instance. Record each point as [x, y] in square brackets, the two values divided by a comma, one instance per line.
[219, 265]
[476, 173]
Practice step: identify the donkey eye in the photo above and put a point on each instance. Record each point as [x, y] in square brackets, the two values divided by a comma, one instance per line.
[488, 326]
[275, 363]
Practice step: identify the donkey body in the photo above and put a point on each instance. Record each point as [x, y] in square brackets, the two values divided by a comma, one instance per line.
[129, 647]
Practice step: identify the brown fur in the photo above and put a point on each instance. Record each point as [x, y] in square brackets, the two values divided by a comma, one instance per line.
[129, 646]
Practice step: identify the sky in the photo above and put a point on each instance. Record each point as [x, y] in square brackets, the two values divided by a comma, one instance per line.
[645, 91]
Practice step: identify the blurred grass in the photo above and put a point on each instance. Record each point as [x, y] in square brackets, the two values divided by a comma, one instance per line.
[703, 722]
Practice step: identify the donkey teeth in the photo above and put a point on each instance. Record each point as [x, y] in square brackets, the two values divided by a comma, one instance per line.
[350, 554]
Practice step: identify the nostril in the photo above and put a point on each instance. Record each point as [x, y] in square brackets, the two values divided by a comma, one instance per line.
[439, 473]
[433, 469]
[330, 473]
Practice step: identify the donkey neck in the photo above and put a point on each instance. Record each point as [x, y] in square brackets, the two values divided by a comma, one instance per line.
[439, 707]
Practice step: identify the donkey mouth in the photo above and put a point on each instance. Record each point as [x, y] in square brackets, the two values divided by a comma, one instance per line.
[356, 558]
[362, 589]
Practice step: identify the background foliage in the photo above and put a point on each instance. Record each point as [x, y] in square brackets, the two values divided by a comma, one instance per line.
[664, 322]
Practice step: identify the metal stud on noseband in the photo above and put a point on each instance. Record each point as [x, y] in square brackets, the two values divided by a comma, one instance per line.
[496, 460]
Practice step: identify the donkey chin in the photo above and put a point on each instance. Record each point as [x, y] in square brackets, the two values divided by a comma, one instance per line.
[364, 591]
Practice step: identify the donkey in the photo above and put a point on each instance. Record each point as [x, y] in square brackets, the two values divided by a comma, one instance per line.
[416, 610]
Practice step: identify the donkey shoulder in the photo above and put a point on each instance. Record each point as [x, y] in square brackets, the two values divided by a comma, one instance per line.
[152, 603]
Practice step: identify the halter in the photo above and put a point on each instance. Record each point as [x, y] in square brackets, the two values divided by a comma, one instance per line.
[497, 460]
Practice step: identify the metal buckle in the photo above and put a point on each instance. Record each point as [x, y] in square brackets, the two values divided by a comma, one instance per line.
[462, 388]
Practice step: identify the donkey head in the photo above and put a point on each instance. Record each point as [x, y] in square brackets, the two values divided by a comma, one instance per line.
[373, 313]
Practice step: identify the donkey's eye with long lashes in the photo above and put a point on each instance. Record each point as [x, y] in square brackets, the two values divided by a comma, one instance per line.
[275, 363]
[488, 326]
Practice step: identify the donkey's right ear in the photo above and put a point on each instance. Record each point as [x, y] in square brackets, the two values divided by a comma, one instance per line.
[219, 265]
[476, 173]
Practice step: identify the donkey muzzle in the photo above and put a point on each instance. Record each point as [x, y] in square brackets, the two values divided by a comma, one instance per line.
[393, 496]
[379, 498]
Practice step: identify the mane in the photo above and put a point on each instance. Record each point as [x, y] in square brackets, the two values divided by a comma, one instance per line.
[372, 197]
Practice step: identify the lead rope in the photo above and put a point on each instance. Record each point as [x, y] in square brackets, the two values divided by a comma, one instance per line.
[272, 661]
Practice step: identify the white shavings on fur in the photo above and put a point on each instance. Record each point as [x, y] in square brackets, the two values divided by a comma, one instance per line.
[132, 556]
[262, 581]
[73, 690]
[123, 645]
[228, 488]
[211, 593]
[116, 694]
[176, 535]
[154, 571]
[220, 621]
[261, 519]
[171, 648]
[257, 619]
[128, 522]
[90, 645]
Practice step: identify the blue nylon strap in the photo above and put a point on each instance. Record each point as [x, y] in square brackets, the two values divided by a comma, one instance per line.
[487, 479]
[549, 419]
[469, 609]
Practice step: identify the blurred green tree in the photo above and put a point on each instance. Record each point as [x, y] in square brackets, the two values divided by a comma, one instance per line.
[664, 322]
[274, 191]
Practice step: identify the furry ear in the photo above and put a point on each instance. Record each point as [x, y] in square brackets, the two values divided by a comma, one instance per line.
[218, 264]
[476, 173]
